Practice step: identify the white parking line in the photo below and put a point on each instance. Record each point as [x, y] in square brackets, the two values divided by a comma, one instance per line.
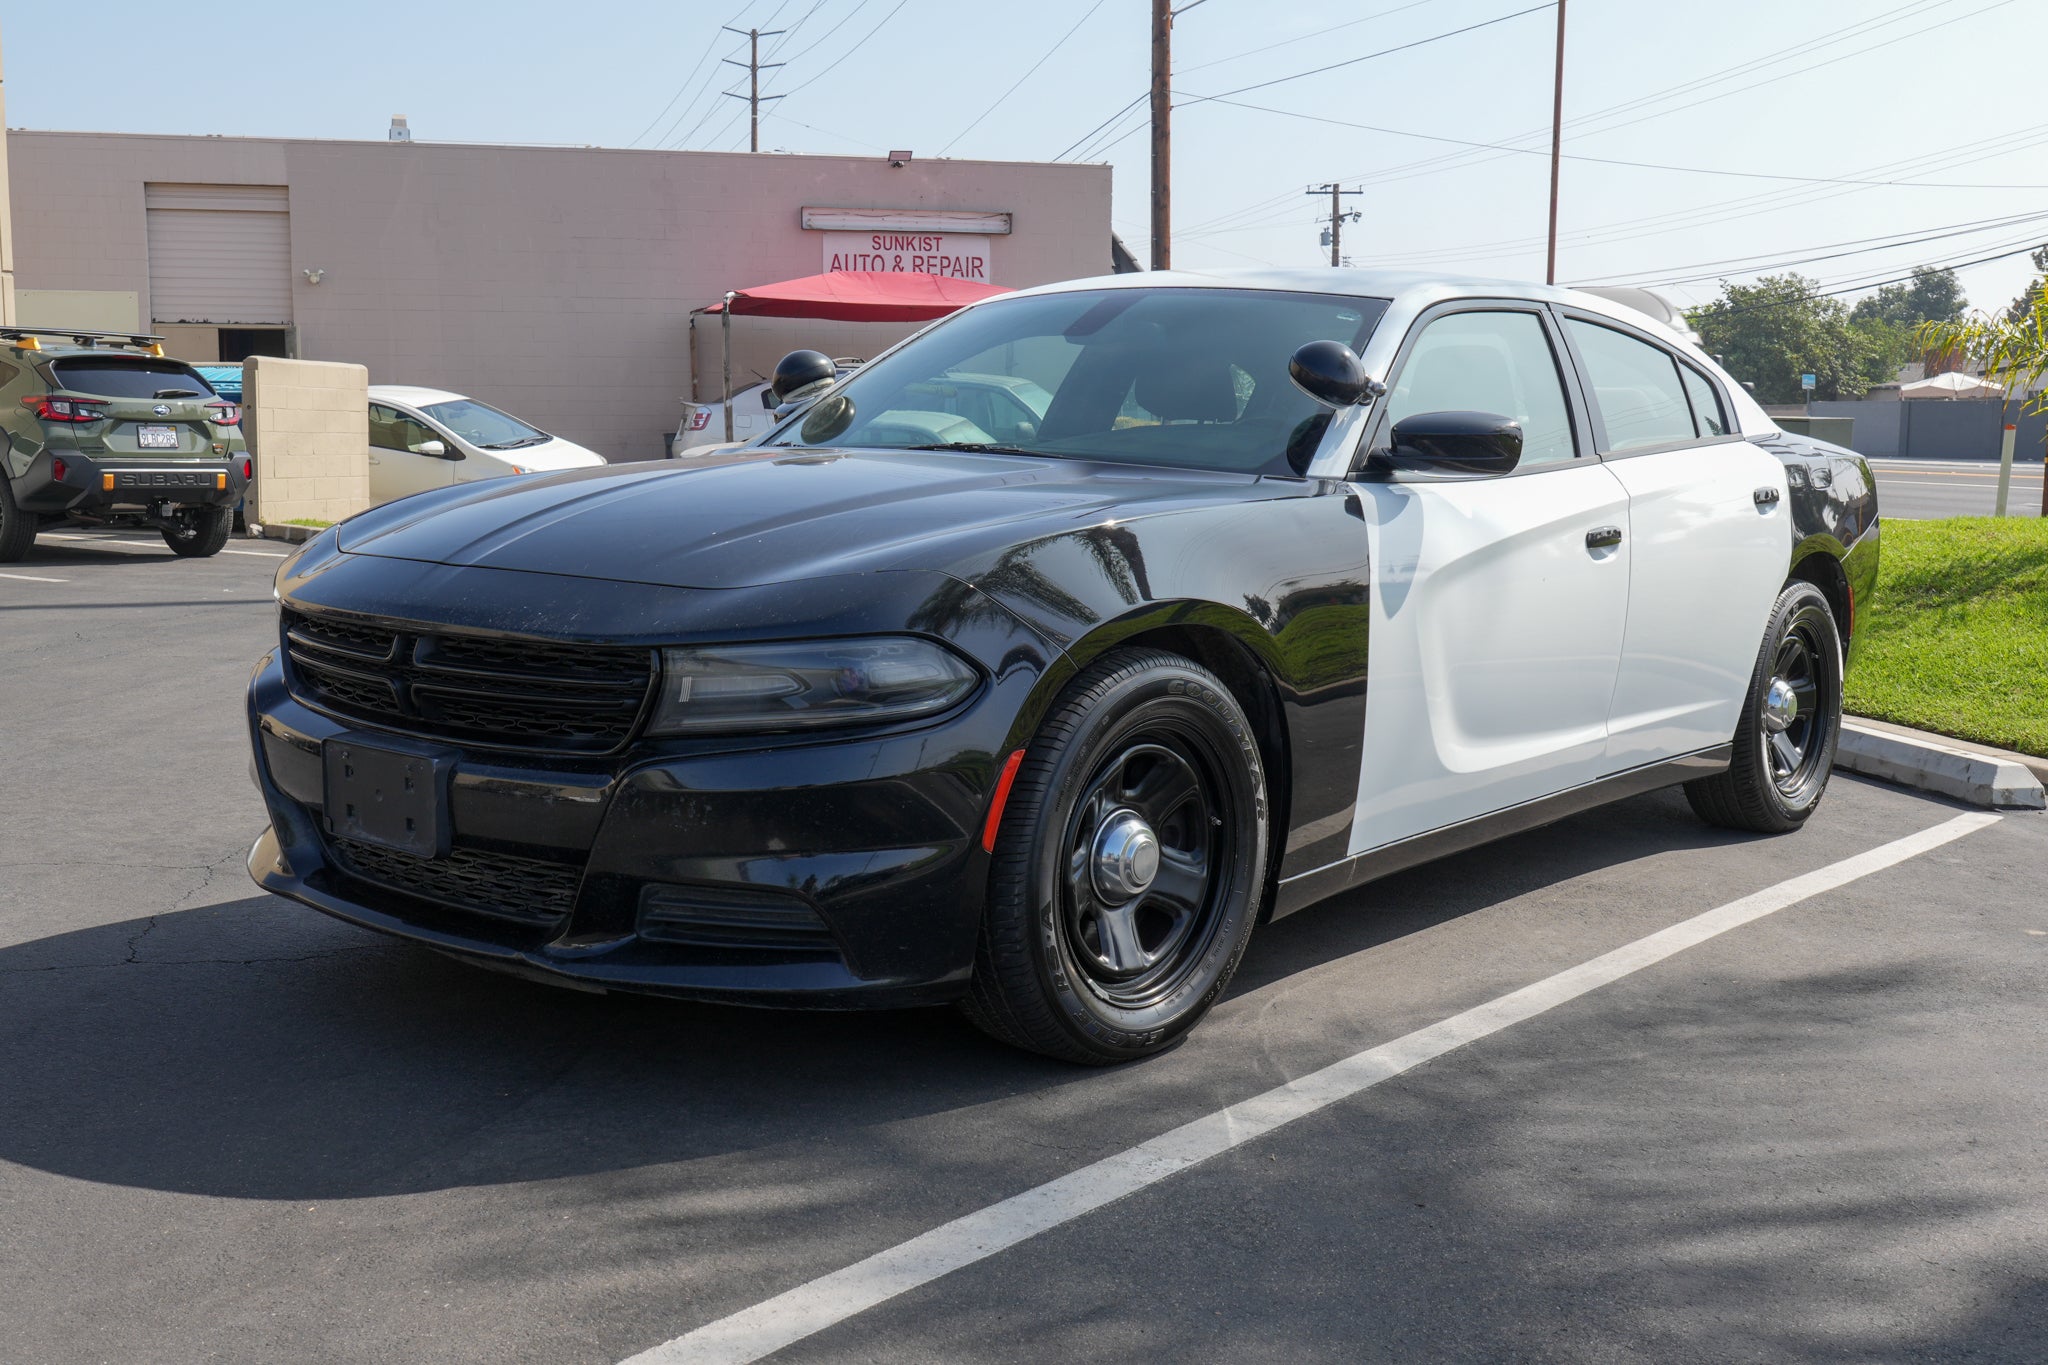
[255, 554]
[33, 578]
[788, 1317]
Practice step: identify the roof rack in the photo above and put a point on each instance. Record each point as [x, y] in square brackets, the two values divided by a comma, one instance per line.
[25, 337]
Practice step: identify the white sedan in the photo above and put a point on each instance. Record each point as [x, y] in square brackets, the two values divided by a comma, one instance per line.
[430, 438]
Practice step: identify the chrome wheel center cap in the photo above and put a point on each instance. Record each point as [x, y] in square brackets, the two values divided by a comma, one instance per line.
[1781, 707]
[1126, 856]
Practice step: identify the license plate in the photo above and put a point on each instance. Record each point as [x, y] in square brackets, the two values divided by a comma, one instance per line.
[157, 438]
[393, 797]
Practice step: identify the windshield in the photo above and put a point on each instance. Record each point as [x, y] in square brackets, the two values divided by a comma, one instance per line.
[483, 425]
[1195, 378]
[115, 376]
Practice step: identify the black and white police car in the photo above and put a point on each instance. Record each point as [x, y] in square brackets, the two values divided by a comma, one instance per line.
[1291, 580]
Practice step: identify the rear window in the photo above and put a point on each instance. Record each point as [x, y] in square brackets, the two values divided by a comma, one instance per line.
[129, 377]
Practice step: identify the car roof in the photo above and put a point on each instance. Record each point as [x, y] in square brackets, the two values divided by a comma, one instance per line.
[1414, 287]
[413, 395]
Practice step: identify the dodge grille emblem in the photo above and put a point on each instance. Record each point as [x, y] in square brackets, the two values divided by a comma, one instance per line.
[162, 410]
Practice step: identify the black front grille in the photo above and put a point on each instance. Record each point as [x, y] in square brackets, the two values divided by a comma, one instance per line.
[518, 693]
[522, 890]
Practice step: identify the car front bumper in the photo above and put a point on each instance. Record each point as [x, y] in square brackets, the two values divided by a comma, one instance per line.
[836, 874]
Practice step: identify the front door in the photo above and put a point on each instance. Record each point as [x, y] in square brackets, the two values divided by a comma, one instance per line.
[1710, 537]
[397, 465]
[1496, 626]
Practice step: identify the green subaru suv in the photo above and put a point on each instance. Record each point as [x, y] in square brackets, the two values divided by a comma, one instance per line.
[101, 429]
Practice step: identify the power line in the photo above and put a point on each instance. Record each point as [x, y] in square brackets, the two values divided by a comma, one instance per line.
[1092, 133]
[1608, 160]
[1806, 47]
[2031, 244]
[1859, 246]
[1026, 76]
[703, 53]
[1318, 36]
[1389, 51]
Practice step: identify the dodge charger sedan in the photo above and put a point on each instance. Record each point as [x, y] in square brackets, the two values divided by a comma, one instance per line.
[1298, 579]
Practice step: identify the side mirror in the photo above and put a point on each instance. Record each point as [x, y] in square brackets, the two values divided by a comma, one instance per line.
[799, 375]
[1331, 373]
[1457, 442]
[434, 448]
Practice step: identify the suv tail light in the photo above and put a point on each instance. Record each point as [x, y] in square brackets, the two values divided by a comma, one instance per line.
[248, 469]
[54, 409]
[225, 414]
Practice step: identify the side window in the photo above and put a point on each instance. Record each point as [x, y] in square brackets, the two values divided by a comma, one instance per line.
[1706, 403]
[1489, 362]
[391, 429]
[1635, 386]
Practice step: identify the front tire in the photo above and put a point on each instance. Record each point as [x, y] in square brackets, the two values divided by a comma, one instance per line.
[1784, 748]
[202, 534]
[1128, 868]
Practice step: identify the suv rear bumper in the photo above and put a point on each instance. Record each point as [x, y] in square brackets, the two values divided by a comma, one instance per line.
[89, 485]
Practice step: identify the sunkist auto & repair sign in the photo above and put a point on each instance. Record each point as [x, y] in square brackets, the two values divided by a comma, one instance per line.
[956, 255]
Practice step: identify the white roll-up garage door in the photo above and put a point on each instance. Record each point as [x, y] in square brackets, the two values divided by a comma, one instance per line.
[219, 254]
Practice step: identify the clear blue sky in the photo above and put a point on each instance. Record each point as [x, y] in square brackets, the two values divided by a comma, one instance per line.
[1931, 91]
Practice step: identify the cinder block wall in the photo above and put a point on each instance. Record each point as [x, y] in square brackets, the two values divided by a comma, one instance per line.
[308, 424]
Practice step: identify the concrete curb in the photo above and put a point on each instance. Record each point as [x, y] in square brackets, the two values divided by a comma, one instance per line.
[1925, 762]
[292, 535]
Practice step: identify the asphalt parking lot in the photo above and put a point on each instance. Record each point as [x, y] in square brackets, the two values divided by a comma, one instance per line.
[234, 1130]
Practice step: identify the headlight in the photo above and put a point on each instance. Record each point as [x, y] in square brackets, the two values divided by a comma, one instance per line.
[728, 688]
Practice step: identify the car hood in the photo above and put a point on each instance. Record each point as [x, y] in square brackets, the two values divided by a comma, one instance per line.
[758, 517]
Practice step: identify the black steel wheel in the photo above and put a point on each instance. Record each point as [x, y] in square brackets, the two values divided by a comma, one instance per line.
[1784, 749]
[1128, 867]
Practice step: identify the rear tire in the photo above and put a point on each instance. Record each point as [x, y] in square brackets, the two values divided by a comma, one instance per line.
[17, 528]
[207, 533]
[1783, 753]
[1128, 868]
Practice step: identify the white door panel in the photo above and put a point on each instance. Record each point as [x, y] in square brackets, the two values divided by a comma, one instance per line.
[1496, 640]
[1708, 562]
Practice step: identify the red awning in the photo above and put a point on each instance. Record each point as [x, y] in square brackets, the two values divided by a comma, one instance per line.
[855, 296]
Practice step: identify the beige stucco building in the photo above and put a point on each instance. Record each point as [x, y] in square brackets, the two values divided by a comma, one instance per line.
[554, 282]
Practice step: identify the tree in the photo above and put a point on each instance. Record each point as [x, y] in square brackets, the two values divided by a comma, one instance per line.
[1930, 296]
[2017, 310]
[2014, 352]
[1769, 333]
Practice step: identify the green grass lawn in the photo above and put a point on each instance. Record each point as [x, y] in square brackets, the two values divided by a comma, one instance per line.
[1957, 640]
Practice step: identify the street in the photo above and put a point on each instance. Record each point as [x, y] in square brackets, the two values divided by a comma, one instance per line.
[1916, 489]
[231, 1128]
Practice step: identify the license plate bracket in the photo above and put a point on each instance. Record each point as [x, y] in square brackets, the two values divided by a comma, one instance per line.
[156, 438]
[388, 794]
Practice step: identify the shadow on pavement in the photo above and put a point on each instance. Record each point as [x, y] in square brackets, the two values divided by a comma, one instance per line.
[257, 1049]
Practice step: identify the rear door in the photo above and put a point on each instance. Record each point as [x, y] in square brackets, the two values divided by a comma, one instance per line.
[1498, 604]
[1711, 539]
[397, 466]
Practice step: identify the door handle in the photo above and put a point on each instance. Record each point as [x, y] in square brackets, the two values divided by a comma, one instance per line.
[1765, 497]
[1601, 537]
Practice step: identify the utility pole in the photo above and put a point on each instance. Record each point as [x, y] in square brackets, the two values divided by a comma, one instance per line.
[1162, 134]
[1556, 148]
[1337, 215]
[753, 97]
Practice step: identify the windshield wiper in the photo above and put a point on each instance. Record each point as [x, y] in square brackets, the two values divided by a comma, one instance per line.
[976, 448]
[175, 393]
[522, 441]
